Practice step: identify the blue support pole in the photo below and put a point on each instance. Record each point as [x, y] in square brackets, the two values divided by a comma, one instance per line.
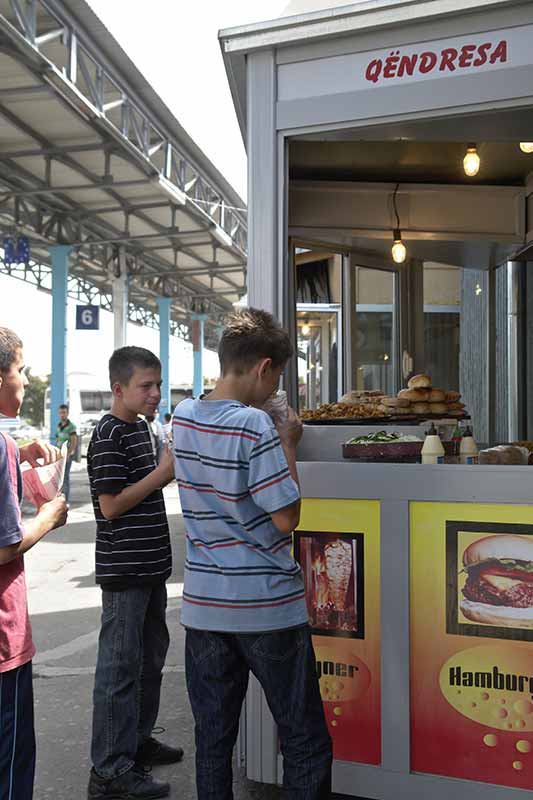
[164, 305]
[198, 321]
[59, 255]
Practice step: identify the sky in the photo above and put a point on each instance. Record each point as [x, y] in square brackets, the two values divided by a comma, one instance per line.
[176, 47]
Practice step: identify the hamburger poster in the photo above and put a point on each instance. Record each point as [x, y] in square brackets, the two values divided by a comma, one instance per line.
[337, 545]
[472, 642]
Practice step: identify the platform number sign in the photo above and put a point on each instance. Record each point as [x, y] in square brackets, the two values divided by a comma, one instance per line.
[87, 318]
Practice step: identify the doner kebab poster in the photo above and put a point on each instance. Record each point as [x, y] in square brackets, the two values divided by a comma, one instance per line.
[472, 642]
[337, 545]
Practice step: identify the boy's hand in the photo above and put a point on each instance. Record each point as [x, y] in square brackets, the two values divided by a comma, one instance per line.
[166, 466]
[39, 449]
[54, 512]
[290, 431]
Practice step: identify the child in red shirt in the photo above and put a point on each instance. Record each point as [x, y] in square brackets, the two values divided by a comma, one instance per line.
[17, 738]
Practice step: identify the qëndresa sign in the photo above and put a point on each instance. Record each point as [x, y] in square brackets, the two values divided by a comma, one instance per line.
[397, 66]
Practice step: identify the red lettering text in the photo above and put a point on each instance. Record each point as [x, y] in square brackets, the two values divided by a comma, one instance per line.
[373, 71]
[467, 54]
[391, 64]
[500, 54]
[428, 61]
[407, 65]
[448, 57]
[483, 51]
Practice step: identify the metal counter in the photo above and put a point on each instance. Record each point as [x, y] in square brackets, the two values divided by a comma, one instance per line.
[395, 486]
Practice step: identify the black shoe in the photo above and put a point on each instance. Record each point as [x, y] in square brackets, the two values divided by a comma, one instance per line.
[132, 785]
[152, 753]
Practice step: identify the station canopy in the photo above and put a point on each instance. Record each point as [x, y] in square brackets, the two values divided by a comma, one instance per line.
[91, 157]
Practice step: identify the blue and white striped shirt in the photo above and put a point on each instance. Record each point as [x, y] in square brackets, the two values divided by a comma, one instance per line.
[232, 473]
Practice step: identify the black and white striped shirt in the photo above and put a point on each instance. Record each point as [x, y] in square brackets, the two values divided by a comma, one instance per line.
[134, 548]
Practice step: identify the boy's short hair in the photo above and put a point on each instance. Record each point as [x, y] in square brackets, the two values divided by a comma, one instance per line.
[168, 417]
[123, 362]
[63, 405]
[10, 343]
[250, 335]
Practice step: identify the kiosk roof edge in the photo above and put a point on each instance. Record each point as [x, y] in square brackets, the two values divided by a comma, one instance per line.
[336, 22]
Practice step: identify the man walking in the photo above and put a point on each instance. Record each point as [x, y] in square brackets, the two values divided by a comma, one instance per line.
[66, 432]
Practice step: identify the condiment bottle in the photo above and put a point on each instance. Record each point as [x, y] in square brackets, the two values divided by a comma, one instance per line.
[456, 439]
[433, 450]
[468, 452]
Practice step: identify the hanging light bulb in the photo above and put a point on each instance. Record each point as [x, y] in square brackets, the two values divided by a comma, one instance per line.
[399, 250]
[526, 147]
[306, 328]
[471, 161]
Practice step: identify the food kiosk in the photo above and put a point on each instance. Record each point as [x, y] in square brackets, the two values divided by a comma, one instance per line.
[370, 128]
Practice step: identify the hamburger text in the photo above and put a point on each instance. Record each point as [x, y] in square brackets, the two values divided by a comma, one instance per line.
[502, 681]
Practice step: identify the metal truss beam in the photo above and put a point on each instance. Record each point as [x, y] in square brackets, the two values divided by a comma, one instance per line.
[107, 188]
[90, 76]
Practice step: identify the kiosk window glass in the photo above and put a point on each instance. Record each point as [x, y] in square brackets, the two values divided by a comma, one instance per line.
[318, 356]
[442, 313]
[375, 329]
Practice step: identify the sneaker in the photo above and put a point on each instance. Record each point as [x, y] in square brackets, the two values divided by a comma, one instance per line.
[132, 785]
[153, 753]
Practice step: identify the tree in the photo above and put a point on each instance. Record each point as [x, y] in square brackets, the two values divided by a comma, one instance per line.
[33, 405]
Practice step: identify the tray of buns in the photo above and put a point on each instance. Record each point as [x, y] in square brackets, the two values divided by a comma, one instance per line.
[418, 402]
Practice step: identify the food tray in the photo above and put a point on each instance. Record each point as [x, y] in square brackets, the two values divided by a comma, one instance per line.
[380, 451]
[404, 419]
[362, 420]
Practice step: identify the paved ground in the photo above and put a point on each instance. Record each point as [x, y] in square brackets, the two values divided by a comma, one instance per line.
[65, 608]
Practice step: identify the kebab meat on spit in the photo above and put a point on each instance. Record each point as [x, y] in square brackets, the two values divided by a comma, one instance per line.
[333, 608]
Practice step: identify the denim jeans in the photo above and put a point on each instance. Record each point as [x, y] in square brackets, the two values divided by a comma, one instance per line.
[217, 667]
[132, 648]
[17, 736]
[66, 480]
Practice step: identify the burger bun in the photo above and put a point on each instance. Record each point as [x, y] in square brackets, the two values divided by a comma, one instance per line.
[437, 396]
[507, 545]
[415, 395]
[438, 408]
[396, 402]
[501, 616]
[453, 397]
[421, 408]
[419, 382]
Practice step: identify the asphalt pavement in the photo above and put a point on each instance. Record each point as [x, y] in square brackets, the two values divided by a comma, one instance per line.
[65, 611]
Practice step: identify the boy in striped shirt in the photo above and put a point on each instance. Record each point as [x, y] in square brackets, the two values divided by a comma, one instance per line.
[243, 601]
[133, 561]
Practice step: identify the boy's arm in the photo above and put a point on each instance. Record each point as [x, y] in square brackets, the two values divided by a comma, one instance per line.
[288, 518]
[50, 516]
[271, 469]
[114, 505]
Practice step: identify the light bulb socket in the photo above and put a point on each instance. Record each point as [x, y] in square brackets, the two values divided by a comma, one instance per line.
[472, 146]
[397, 235]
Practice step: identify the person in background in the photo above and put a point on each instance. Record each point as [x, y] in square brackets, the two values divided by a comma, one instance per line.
[17, 735]
[167, 426]
[244, 603]
[66, 432]
[157, 435]
[133, 562]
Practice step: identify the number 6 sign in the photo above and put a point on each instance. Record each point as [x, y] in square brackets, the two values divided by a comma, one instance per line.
[87, 318]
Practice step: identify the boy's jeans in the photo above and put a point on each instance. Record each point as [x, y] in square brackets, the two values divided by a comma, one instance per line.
[217, 666]
[66, 480]
[17, 737]
[132, 648]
